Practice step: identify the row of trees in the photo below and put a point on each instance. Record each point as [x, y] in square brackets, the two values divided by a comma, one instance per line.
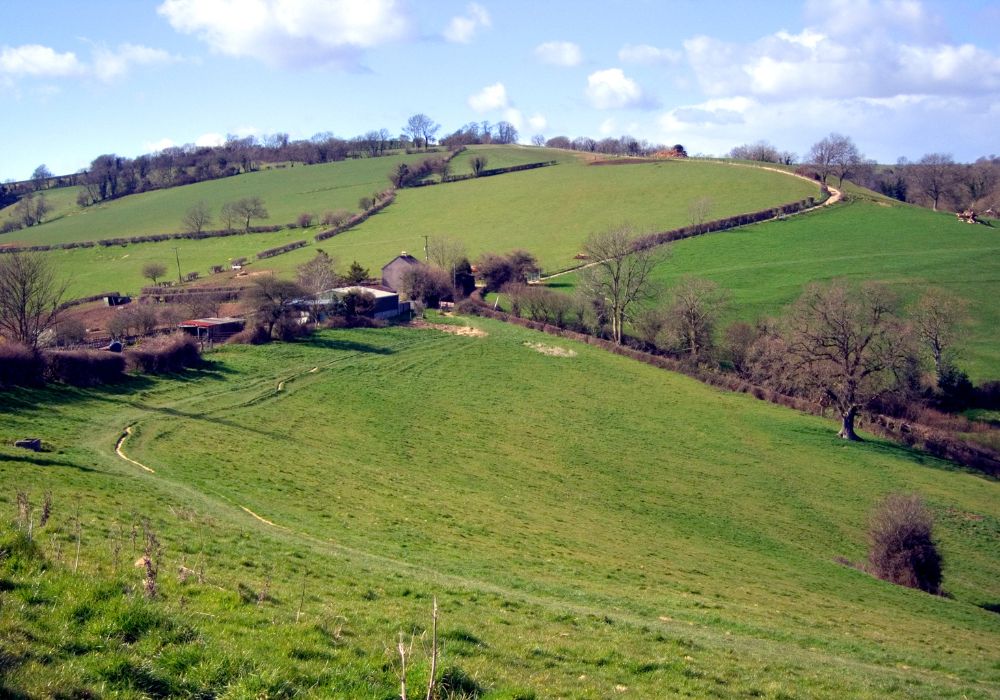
[481, 132]
[622, 146]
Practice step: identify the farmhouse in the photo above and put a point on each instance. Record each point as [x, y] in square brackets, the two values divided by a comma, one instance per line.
[392, 271]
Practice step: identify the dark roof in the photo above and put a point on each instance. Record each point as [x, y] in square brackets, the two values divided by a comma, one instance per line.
[405, 257]
[210, 322]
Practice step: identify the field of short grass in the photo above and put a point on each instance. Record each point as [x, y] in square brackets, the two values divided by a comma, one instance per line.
[590, 526]
[766, 266]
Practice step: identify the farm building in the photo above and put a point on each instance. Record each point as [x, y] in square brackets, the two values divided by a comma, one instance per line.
[386, 300]
[212, 329]
[392, 271]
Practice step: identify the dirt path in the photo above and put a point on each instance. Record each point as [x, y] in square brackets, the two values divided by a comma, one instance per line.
[835, 196]
[121, 453]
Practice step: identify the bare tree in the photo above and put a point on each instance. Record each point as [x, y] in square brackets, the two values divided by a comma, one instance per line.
[154, 270]
[30, 297]
[538, 140]
[196, 218]
[699, 210]
[693, 313]
[835, 154]
[249, 208]
[419, 128]
[269, 300]
[40, 175]
[228, 215]
[478, 165]
[934, 176]
[317, 275]
[506, 133]
[847, 346]
[31, 209]
[620, 276]
[938, 318]
[446, 253]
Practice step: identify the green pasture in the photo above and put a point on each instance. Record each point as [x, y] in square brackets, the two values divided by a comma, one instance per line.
[287, 192]
[508, 156]
[766, 266]
[591, 527]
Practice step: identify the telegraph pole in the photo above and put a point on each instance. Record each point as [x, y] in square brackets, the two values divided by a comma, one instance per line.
[426, 254]
[178, 256]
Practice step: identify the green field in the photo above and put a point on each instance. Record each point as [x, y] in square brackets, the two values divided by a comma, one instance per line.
[549, 211]
[590, 526]
[766, 266]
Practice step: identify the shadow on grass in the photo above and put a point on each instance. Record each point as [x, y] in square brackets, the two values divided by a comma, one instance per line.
[42, 462]
[344, 345]
[991, 607]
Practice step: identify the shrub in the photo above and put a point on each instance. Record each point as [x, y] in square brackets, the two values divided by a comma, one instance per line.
[251, 335]
[336, 218]
[20, 365]
[69, 331]
[164, 354]
[305, 220]
[84, 367]
[902, 549]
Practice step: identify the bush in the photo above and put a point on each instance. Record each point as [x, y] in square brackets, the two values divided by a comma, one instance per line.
[164, 354]
[69, 332]
[902, 549]
[20, 365]
[251, 335]
[305, 220]
[84, 367]
[336, 218]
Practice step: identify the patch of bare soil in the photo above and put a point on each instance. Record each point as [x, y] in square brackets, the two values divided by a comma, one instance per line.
[447, 328]
[551, 350]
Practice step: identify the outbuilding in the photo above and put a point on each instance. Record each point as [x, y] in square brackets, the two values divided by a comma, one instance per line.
[392, 271]
[213, 329]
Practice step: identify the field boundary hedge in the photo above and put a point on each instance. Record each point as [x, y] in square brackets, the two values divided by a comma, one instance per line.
[271, 252]
[149, 238]
[937, 443]
[484, 173]
[385, 199]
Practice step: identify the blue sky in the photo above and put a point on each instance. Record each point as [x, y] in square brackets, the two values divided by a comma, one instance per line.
[901, 77]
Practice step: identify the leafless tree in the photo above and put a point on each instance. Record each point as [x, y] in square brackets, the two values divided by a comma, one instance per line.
[934, 176]
[154, 271]
[620, 277]
[699, 210]
[506, 133]
[30, 297]
[835, 154]
[446, 253]
[538, 140]
[31, 209]
[478, 165]
[39, 176]
[693, 313]
[421, 128]
[228, 215]
[846, 346]
[938, 319]
[249, 208]
[317, 275]
[268, 300]
[196, 218]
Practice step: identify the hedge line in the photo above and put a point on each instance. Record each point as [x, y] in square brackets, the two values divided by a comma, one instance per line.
[151, 238]
[385, 198]
[271, 252]
[87, 300]
[483, 173]
[935, 442]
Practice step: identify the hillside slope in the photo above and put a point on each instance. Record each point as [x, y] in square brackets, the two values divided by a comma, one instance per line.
[590, 525]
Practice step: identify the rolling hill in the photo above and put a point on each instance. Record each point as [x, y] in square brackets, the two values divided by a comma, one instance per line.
[589, 525]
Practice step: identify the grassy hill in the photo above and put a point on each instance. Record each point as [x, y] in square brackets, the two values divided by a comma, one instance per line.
[590, 526]
[549, 211]
[766, 266]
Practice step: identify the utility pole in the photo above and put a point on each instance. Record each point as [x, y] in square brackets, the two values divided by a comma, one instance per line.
[426, 254]
[178, 256]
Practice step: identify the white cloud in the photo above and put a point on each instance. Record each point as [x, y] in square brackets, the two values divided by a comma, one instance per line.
[463, 28]
[559, 53]
[612, 89]
[649, 55]
[111, 64]
[155, 146]
[491, 97]
[290, 32]
[537, 122]
[210, 140]
[38, 61]
[858, 48]
[607, 127]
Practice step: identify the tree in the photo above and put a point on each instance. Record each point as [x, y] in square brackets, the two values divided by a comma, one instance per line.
[154, 271]
[901, 543]
[934, 176]
[427, 283]
[760, 151]
[317, 275]
[498, 270]
[40, 175]
[847, 347]
[419, 128]
[938, 317]
[835, 154]
[30, 297]
[506, 133]
[693, 312]
[478, 165]
[249, 208]
[228, 215]
[268, 300]
[446, 253]
[699, 210]
[31, 209]
[356, 274]
[619, 279]
[538, 140]
[196, 218]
